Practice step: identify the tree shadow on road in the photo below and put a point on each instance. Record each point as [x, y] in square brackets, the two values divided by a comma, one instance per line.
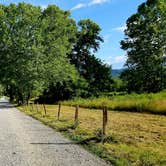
[57, 143]
[5, 105]
[82, 142]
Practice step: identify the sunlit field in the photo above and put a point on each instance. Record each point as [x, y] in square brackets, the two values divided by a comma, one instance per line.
[132, 138]
[152, 103]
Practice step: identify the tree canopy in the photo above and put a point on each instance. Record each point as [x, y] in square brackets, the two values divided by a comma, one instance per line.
[95, 76]
[92, 69]
[44, 53]
[145, 44]
[33, 48]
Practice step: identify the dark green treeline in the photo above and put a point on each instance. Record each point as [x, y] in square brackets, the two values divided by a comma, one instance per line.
[38, 50]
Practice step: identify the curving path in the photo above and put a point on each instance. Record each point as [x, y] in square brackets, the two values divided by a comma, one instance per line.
[25, 141]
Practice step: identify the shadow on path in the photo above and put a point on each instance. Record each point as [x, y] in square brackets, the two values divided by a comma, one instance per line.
[60, 143]
[5, 105]
[86, 141]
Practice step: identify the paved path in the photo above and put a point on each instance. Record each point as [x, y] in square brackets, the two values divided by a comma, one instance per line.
[27, 142]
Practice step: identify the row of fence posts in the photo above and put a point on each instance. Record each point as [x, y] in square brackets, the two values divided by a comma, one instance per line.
[76, 119]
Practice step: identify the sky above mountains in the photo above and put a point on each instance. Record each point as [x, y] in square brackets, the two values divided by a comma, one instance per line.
[111, 15]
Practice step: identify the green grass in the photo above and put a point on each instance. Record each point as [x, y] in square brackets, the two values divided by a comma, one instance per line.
[136, 139]
[152, 103]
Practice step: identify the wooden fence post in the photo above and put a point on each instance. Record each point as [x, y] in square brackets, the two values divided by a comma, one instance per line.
[44, 107]
[37, 109]
[24, 107]
[59, 111]
[27, 107]
[105, 119]
[76, 113]
[31, 107]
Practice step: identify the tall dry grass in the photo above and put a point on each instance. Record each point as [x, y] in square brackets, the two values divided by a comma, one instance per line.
[152, 103]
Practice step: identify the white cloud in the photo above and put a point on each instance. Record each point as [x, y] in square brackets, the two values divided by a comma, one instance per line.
[120, 29]
[79, 6]
[91, 3]
[96, 2]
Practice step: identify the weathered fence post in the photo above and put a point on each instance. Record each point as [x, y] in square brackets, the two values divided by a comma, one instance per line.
[105, 119]
[59, 111]
[24, 107]
[44, 107]
[27, 107]
[37, 109]
[31, 107]
[76, 113]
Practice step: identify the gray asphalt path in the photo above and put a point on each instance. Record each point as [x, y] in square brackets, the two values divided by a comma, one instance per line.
[25, 141]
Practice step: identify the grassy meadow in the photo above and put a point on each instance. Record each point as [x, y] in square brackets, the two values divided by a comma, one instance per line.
[137, 139]
[152, 103]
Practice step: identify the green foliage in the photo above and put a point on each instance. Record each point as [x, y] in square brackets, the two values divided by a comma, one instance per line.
[145, 45]
[119, 85]
[33, 49]
[57, 32]
[19, 65]
[35, 53]
[95, 76]
[64, 90]
[95, 72]
[1, 90]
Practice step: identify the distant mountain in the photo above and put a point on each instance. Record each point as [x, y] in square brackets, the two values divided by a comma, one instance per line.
[116, 72]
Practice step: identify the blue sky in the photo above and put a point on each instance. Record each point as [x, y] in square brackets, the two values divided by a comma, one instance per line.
[111, 15]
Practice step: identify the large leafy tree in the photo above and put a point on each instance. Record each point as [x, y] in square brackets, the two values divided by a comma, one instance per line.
[19, 41]
[59, 34]
[95, 76]
[33, 49]
[58, 30]
[82, 56]
[145, 44]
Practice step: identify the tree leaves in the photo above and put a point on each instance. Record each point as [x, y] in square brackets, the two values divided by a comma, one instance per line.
[93, 70]
[145, 44]
[33, 48]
